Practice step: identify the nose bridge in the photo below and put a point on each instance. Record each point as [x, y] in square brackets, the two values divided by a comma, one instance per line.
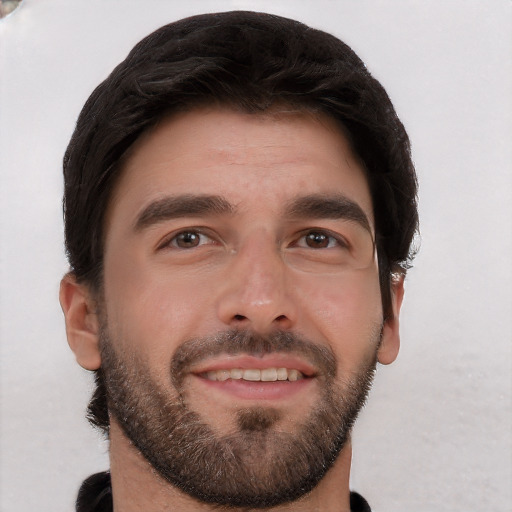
[256, 286]
[262, 268]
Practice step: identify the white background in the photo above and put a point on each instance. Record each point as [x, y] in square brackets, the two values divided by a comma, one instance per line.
[436, 435]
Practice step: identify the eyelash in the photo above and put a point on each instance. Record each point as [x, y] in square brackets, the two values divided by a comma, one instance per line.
[338, 239]
[171, 241]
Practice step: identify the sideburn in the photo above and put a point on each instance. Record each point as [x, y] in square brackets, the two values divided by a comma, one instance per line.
[97, 409]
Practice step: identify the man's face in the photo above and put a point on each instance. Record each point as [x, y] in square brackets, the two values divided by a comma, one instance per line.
[241, 298]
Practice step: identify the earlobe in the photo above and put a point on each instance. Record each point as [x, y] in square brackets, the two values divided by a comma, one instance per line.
[82, 325]
[390, 343]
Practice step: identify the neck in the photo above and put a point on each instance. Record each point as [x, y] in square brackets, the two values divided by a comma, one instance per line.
[137, 486]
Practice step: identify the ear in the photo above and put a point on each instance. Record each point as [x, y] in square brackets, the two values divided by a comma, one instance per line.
[390, 343]
[82, 325]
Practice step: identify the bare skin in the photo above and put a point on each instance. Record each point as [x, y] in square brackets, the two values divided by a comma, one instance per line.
[256, 264]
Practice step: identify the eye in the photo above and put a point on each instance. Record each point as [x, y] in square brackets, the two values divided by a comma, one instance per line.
[320, 240]
[187, 239]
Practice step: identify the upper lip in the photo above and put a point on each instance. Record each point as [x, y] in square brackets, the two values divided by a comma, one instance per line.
[247, 361]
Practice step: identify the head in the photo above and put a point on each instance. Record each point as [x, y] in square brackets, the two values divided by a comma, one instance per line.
[272, 79]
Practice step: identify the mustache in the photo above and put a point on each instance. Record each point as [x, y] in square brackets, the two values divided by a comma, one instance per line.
[238, 342]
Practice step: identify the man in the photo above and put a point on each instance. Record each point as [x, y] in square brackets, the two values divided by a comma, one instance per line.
[239, 208]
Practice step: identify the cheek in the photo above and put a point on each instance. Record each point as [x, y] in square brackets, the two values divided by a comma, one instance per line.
[151, 311]
[345, 311]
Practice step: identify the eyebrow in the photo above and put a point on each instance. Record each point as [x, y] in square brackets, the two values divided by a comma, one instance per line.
[328, 207]
[173, 207]
[311, 206]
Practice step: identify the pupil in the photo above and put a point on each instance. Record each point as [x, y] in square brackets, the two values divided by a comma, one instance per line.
[317, 240]
[189, 239]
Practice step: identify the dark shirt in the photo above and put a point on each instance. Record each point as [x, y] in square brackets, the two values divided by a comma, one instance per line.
[95, 495]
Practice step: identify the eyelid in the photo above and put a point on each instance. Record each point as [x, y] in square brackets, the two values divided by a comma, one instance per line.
[167, 240]
[340, 239]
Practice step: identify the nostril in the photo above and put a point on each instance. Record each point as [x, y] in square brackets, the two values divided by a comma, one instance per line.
[239, 317]
[280, 318]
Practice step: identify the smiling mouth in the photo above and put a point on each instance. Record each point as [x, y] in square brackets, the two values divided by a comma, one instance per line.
[255, 374]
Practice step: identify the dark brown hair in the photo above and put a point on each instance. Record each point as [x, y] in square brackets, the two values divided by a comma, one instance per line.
[251, 62]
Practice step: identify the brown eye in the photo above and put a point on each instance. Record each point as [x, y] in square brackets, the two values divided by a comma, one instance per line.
[187, 239]
[317, 240]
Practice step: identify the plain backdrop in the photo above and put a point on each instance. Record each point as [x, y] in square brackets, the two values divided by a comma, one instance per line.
[436, 434]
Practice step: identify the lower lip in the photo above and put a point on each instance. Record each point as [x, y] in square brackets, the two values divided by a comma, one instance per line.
[249, 390]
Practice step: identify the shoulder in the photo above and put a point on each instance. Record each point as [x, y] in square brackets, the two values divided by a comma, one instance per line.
[95, 494]
[358, 503]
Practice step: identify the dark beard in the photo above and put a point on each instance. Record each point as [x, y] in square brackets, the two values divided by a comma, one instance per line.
[256, 466]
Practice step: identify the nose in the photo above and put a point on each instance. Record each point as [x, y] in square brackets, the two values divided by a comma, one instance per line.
[256, 291]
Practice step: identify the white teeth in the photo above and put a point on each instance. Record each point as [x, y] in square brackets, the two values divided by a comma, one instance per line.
[293, 375]
[223, 375]
[237, 374]
[269, 375]
[282, 374]
[255, 374]
[252, 374]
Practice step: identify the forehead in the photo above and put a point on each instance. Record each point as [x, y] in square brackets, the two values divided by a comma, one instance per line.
[263, 159]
